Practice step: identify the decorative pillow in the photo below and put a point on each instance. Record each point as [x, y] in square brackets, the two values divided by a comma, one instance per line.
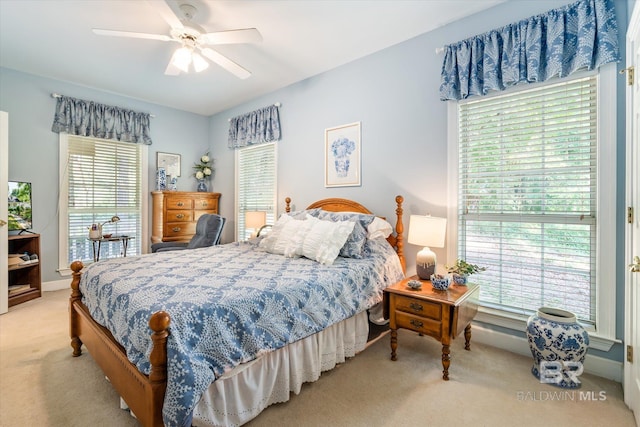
[290, 240]
[271, 239]
[324, 239]
[303, 214]
[379, 228]
[353, 247]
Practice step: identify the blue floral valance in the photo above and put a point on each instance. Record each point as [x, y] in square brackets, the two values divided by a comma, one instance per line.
[256, 127]
[579, 36]
[88, 118]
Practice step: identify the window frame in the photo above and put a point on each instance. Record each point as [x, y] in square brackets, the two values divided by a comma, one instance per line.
[63, 199]
[272, 214]
[603, 334]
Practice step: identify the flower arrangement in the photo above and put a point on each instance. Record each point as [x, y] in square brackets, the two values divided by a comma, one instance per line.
[203, 169]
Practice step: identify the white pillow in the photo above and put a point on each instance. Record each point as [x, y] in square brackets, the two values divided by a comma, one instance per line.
[379, 228]
[271, 239]
[290, 240]
[324, 239]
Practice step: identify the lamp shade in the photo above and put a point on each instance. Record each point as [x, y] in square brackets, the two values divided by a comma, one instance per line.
[427, 230]
[255, 219]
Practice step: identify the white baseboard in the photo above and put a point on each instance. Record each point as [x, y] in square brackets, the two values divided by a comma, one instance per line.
[595, 365]
[57, 285]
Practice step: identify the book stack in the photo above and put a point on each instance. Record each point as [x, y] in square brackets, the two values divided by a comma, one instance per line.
[18, 289]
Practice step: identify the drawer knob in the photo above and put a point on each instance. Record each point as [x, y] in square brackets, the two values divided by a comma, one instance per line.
[416, 323]
[176, 229]
[180, 204]
[180, 216]
[205, 204]
[415, 306]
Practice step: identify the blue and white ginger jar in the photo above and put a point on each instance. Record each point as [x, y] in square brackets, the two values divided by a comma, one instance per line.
[555, 335]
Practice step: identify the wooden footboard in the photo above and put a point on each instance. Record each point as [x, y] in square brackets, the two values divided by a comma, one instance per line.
[143, 394]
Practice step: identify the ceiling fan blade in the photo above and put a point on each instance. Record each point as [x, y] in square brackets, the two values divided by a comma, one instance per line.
[248, 35]
[166, 12]
[172, 70]
[225, 63]
[114, 33]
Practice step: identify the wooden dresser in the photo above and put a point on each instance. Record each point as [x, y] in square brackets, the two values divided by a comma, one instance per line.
[175, 213]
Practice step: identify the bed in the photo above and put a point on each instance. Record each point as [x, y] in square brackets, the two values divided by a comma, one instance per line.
[147, 328]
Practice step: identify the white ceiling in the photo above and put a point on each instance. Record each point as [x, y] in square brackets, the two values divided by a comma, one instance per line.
[53, 38]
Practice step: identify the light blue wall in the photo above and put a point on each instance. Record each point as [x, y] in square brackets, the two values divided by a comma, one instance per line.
[33, 147]
[394, 93]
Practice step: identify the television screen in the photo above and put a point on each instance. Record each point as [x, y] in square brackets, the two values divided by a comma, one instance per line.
[20, 206]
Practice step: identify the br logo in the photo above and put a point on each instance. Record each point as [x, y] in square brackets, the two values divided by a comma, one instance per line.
[553, 372]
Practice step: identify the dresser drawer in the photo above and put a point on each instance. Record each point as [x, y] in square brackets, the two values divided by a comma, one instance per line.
[418, 307]
[419, 324]
[180, 229]
[176, 215]
[179, 203]
[206, 204]
[198, 214]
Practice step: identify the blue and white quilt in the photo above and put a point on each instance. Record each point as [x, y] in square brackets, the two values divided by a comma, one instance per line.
[228, 304]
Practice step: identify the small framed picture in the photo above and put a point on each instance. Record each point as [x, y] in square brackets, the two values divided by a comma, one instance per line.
[342, 156]
[170, 162]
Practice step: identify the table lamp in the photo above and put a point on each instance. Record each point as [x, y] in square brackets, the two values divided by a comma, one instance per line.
[427, 231]
[254, 220]
[114, 218]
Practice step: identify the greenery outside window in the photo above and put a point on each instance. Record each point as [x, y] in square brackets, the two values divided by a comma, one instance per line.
[530, 166]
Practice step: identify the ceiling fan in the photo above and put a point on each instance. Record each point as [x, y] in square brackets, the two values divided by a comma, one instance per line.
[193, 40]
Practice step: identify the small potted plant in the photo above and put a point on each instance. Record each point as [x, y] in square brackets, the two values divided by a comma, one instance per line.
[461, 270]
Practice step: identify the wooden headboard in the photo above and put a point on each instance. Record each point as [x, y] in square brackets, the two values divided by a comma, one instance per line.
[345, 205]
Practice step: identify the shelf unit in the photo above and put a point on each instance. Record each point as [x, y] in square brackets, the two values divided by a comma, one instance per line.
[25, 274]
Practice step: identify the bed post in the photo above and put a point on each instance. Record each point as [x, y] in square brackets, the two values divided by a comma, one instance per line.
[399, 231]
[159, 324]
[76, 295]
[287, 207]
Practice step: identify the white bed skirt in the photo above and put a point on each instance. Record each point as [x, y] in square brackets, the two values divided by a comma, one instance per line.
[242, 394]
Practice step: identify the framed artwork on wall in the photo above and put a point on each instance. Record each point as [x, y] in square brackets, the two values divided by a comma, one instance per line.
[342, 156]
[170, 162]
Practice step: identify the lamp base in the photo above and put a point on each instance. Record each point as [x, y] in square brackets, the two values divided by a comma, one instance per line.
[425, 264]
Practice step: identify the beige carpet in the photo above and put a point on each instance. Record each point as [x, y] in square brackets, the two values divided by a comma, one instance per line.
[41, 384]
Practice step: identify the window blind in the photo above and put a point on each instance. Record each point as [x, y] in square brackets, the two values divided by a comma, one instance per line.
[256, 185]
[527, 196]
[104, 179]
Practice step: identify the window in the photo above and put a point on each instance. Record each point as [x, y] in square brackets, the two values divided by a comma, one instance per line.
[255, 185]
[100, 179]
[530, 167]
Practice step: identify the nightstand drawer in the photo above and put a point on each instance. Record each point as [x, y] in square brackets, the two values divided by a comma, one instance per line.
[418, 307]
[419, 324]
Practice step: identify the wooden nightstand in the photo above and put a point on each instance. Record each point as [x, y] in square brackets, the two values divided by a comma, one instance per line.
[442, 315]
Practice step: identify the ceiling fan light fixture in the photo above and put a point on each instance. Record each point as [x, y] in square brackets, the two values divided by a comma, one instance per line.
[182, 58]
[199, 63]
